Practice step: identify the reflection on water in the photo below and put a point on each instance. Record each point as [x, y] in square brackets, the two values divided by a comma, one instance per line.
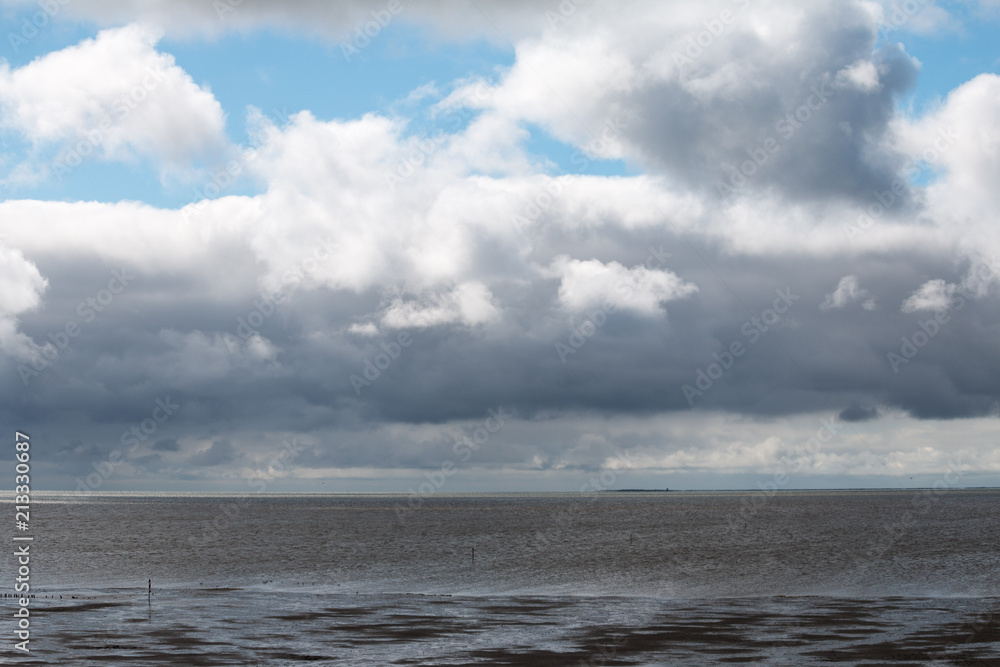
[667, 544]
[255, 627]
[794, 578]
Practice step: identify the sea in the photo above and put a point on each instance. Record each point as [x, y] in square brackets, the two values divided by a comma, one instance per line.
[608, 578]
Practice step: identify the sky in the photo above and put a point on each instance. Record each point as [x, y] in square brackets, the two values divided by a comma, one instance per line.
[460, 246]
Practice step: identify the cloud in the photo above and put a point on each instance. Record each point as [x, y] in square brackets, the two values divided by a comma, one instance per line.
[444, 251]
[337, 21]
[469, 304]
[365, 329]
[858, 413]
[959, 142]
[932, 295]
[848, 291]
[220, 452]
[114, 96]
[254, 311]
[863, 75]
[591, 283]
[21, 288]
[166, 445]
[736, 115]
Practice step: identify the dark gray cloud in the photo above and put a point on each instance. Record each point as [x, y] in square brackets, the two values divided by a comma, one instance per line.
[858, 413]
[219, 453]
[166, 445]
[809, 360]
[794, 123]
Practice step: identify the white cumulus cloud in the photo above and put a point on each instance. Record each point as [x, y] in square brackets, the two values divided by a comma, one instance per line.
[848, 291]
[114, 96]
[588, 283]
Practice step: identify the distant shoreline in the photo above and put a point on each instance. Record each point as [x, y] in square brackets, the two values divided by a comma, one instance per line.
[635, 490]
[68, 496]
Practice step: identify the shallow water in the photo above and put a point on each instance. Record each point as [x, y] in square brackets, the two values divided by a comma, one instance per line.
[614, 578]
[255, 627]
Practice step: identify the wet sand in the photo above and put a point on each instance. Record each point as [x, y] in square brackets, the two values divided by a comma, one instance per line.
[231, 626]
